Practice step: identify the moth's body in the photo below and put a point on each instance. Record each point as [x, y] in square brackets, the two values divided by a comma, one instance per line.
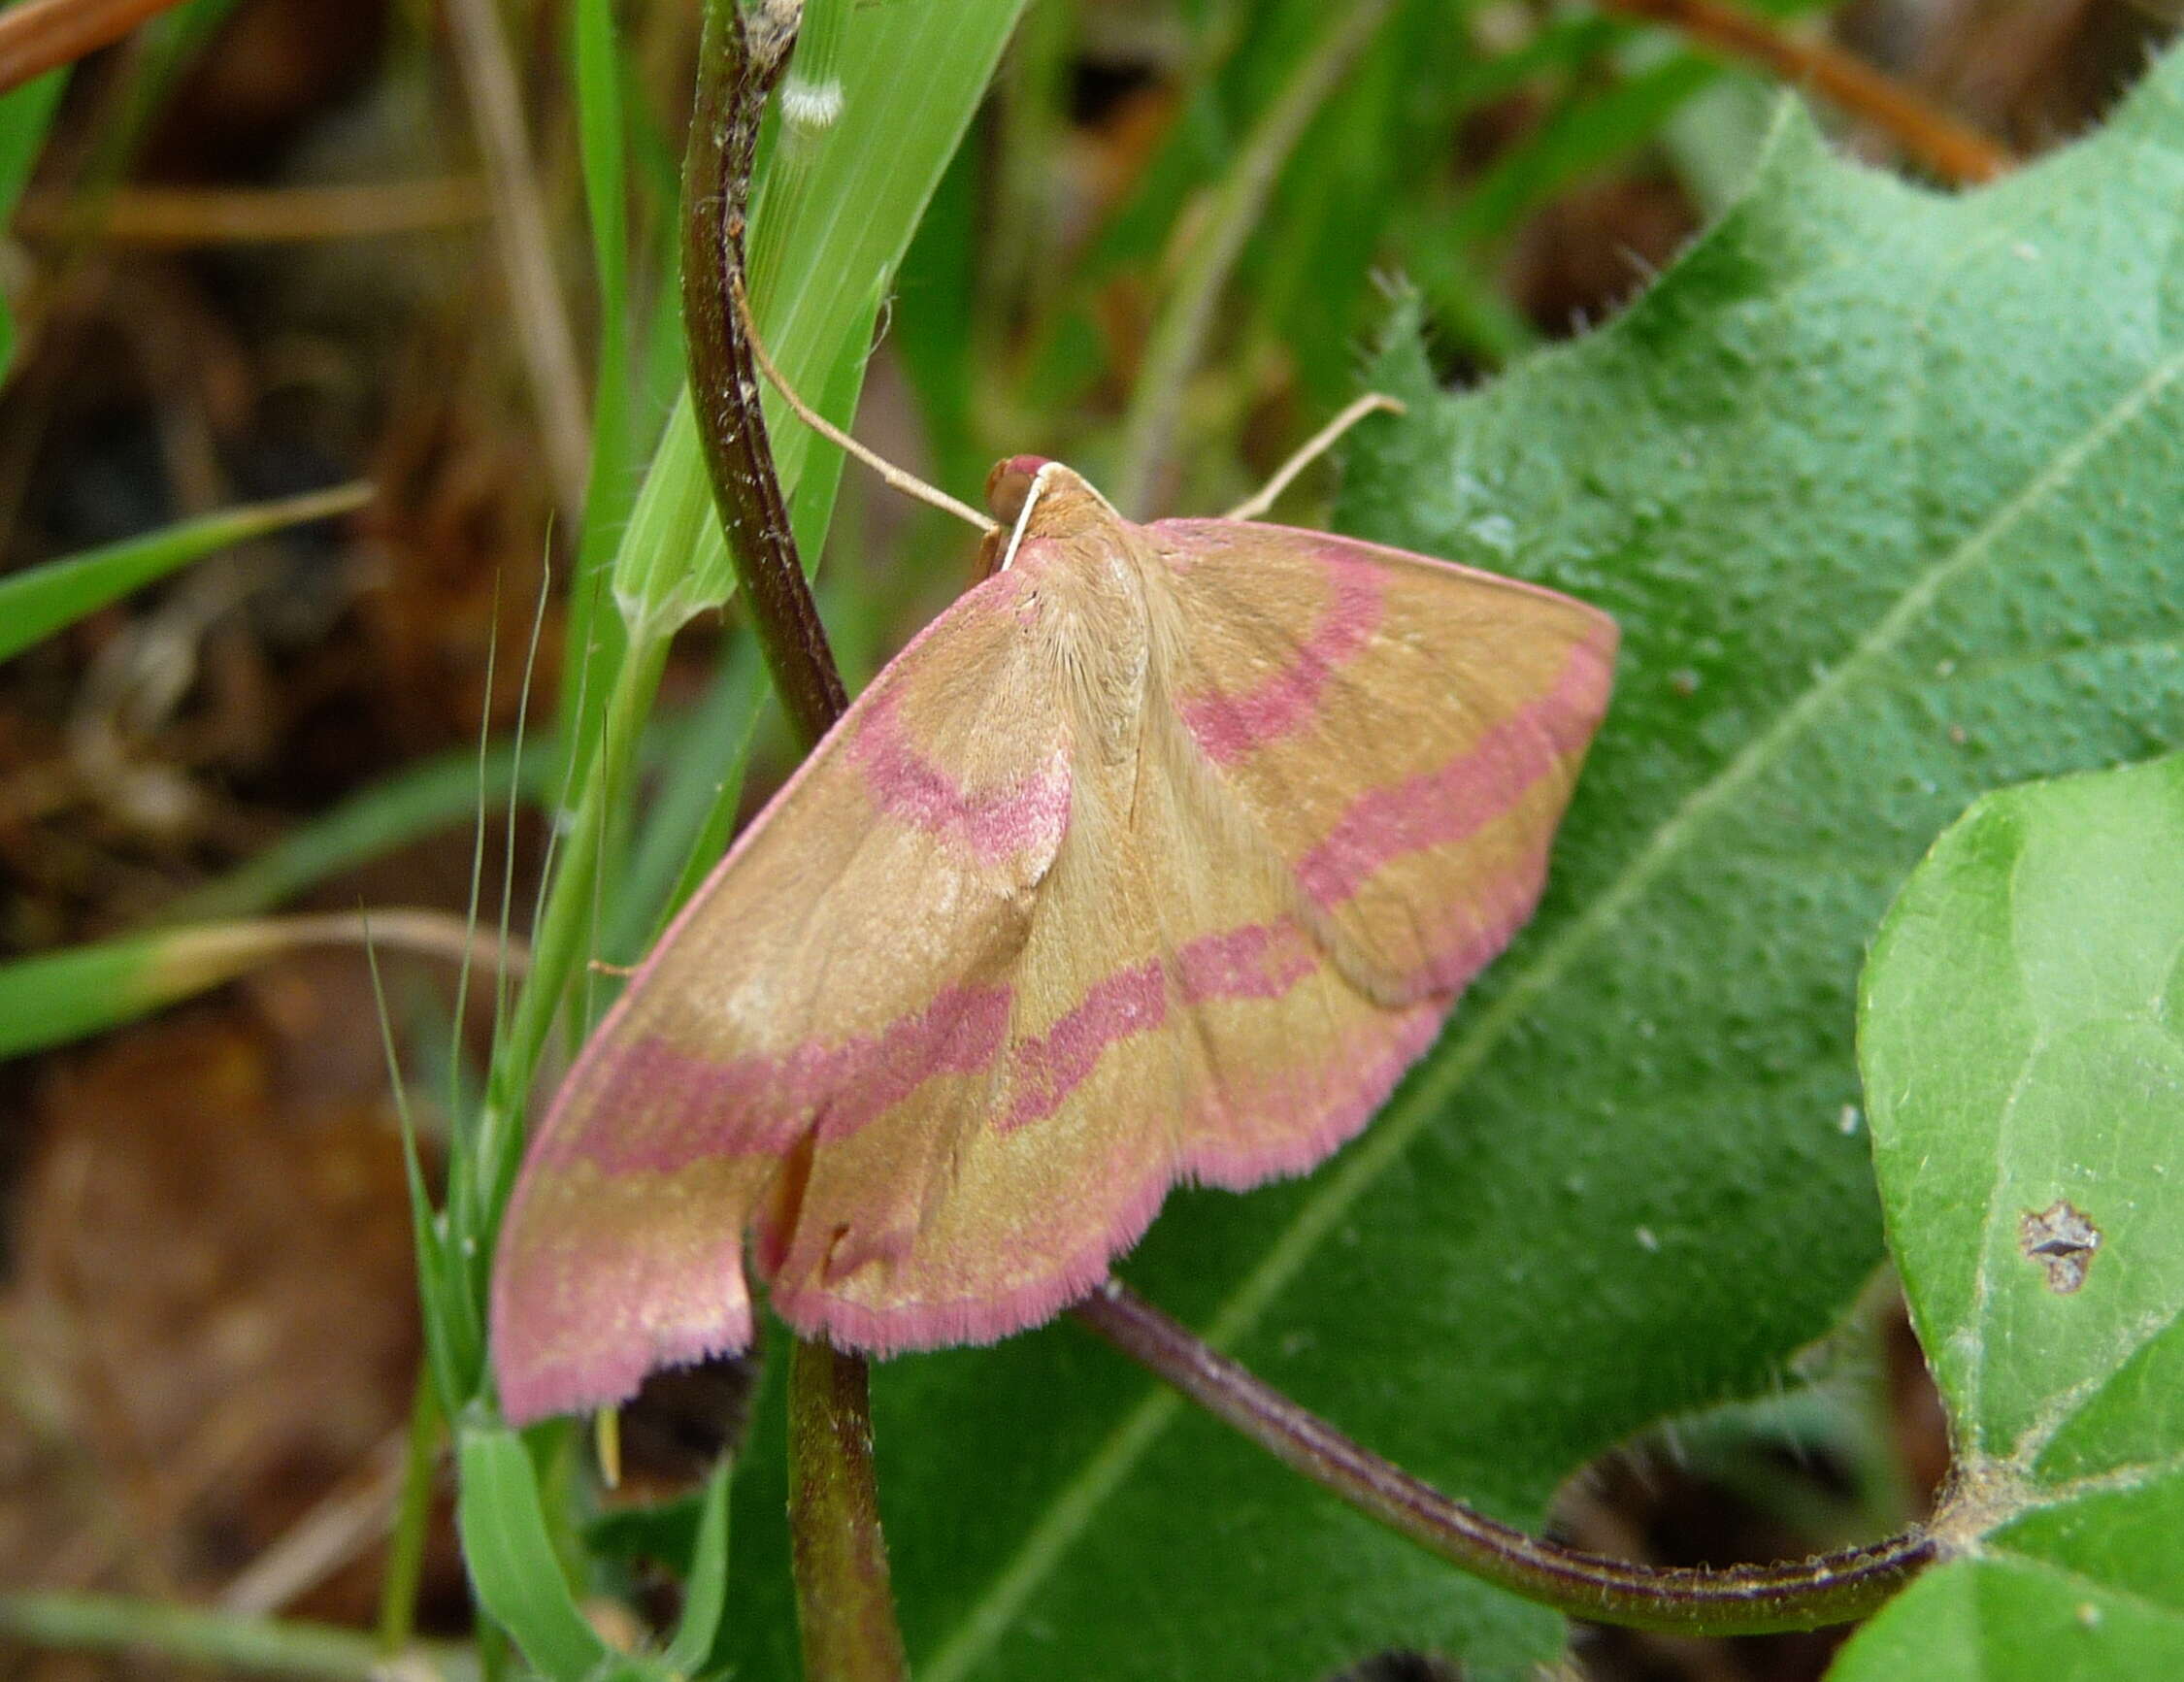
[1159, 856]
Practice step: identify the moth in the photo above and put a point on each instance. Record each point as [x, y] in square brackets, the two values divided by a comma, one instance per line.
[1157, 857]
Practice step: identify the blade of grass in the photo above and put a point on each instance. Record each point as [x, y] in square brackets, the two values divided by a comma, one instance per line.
[404, 1571]
[446, 1359]
[56, 996]
[25, 115]
[611, 487]
[525, 242]
[219, 1640]
[866, 188]
[707, 1578]
[36, 603]
[514, 1569]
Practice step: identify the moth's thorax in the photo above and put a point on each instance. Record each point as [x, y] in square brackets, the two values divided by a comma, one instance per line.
[1082, 579]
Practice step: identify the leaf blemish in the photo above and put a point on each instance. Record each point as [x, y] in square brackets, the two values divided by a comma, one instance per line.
[2062, 1240]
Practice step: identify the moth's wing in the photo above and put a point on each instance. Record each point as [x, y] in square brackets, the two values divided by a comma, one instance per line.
[1405, 731]
[844, 971]
[1174, 1019]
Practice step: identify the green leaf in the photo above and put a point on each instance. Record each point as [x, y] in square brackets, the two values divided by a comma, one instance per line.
[2022, 1036]
[511, 1557]
[1888, 513]
[910, 77]
[39, 601]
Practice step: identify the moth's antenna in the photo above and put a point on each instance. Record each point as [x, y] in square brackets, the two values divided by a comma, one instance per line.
[1314, 446]
[909, 485]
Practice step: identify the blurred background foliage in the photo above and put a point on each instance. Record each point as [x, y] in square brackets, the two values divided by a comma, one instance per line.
[265, 247]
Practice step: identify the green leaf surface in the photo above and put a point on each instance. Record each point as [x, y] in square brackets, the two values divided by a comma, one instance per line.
[1888, 514]
[2022, 1036]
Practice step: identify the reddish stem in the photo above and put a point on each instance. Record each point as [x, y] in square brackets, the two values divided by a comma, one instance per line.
[1952, 149]
[1736, 1601]
[41, 35]
[846, 1603]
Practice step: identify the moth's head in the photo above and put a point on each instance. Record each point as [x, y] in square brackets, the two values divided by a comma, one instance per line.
[1010, 486]
[1011, 489]
[1026, 488]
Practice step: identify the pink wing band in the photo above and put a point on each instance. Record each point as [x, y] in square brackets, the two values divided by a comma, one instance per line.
[1470, 791]
[1229, 727]
[762, 1106]
[1257, 961]
[992, 824]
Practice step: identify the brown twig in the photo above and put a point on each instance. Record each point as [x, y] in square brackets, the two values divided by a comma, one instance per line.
[542, 327]
[41, 35]
[1952, 149]
[846, 1603]
[169, 216]
[1738, 1601]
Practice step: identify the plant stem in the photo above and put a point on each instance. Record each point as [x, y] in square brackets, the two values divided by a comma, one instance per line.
[413, 1520]
[845, 1607]
[1179, 337]
[737, 70]
[45, 34]
[1953, 150]
[1736, 1601]
[563, 937]
[846, 1604]
[220, 1640]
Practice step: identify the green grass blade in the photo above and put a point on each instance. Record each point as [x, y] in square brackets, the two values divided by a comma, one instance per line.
[512, 1566]
[705, 1591]
[435, 795]
[25, 115]
[911, 78]
[218, 1640]
[36, 603]
[56, 996]
[593, 635]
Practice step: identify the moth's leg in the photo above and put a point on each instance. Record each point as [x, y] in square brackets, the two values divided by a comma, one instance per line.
[1314, 446]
